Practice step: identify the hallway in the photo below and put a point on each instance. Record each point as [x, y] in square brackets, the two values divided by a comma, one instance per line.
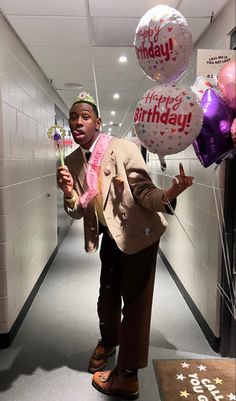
[48, 358]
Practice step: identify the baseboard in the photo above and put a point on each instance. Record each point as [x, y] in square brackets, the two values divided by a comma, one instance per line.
[7, 338]
[211, 338]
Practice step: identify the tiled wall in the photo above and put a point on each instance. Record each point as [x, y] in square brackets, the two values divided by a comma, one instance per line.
[28, 194]
[196, 254]
[192, 243]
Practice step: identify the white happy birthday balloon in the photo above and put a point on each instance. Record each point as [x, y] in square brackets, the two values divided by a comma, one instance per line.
[167, 119]
[163, 44]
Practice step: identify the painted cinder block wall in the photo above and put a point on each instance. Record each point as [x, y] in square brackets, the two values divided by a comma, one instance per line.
[28, 193]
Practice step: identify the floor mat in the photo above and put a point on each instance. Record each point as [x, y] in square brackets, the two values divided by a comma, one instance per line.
[196, 379]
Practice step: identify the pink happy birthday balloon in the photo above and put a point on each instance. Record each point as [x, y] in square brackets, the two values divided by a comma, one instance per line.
[227, 83]
[233, 132]
[163, 44]
[167, 119]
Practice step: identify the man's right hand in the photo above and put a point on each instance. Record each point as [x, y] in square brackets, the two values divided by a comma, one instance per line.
[65, 181]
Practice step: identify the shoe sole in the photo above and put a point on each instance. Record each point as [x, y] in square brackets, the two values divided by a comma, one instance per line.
[133, 396]
[94, 370]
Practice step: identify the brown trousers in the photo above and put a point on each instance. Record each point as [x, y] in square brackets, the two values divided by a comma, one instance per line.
[126, 287]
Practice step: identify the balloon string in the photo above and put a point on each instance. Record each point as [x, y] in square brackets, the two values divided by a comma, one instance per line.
[224, 292]
[232, 308]
[223, 237]
[225, 252]
[228, 301]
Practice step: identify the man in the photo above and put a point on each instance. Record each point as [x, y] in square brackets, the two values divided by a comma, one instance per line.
[115, 195]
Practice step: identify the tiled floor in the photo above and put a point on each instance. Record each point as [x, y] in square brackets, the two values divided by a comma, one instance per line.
[48, 359]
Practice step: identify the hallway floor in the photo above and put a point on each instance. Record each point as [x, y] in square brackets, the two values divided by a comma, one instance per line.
[48, 358]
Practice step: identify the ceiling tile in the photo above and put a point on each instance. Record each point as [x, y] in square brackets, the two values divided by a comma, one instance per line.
[50, 31]
[70, 74]
[44, 7]
[118, 75]
[124, 8]
[105, 99]
[197, 26]
[117, 86]
[108, 56]
[201, 8]
[66, 55]
[114, 31]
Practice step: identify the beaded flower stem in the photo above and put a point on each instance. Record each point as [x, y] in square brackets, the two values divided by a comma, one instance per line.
[61, 158]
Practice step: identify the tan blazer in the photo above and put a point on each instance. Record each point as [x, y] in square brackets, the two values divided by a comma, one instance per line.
[131, 202]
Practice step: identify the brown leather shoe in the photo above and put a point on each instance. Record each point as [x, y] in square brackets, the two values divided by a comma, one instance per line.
[113, 383]
[99, 357]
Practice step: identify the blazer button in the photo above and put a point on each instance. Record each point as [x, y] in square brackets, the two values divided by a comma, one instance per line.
[93, 229]
[147, 231]
[107, 171]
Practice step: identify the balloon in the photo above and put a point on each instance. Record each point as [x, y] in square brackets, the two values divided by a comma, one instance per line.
[216, 112]
[200, 86]
[227, 83]
[214, 142]
[163, 44]
[233, 132]
[167, 119]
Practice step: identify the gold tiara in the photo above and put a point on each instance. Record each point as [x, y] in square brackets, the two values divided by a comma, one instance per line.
[85, 97]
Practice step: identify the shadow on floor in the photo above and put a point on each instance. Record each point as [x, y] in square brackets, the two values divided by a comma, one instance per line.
[34, 356]
[158, 340]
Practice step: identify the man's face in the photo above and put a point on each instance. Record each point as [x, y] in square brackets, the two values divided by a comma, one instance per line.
[84, 124]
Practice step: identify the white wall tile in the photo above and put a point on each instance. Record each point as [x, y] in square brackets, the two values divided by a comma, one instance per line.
[5, 199]
[2, 228]
[3, 283]
[15, 96]
[9, 122]
[3, 309]
[10, 175]
[27, 104]
[4, 88]
[22, 124]
[3, 257]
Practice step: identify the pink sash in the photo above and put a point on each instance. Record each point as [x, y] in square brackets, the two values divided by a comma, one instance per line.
[93, 169]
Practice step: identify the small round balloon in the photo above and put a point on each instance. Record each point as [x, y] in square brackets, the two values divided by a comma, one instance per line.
[167, 119]
[227, 83]
[163, 44]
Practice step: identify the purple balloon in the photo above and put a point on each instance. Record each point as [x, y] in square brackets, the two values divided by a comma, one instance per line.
[217, 115]
[214, 141]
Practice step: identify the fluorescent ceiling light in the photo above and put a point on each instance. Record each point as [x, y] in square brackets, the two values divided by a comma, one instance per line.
[123, 59]
[116, 96]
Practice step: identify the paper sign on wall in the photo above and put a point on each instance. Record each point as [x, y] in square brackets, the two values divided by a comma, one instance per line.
[210, 61]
